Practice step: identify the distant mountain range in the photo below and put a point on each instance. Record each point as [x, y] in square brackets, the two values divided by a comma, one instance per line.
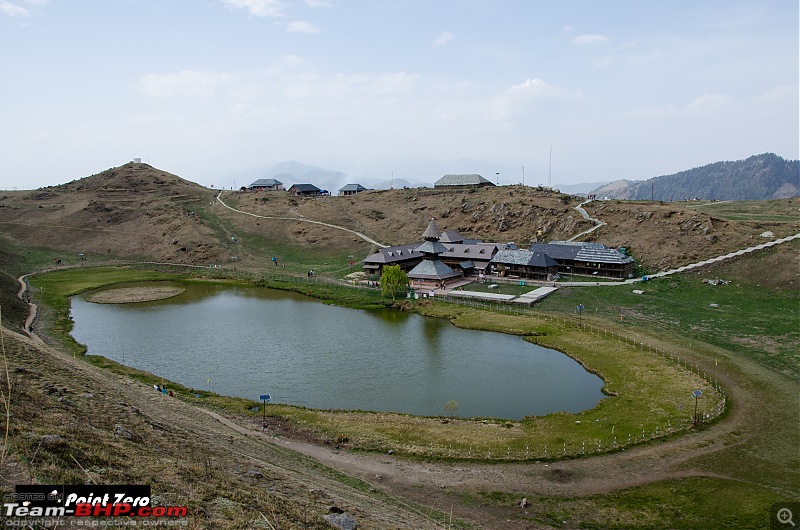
[766, 176]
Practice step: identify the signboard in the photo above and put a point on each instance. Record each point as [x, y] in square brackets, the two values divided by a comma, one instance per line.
[265, 397]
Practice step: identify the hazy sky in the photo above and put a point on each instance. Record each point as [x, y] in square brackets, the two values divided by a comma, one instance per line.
[203, 88]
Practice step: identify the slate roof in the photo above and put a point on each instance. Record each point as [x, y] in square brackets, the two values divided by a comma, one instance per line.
[391, 255]
[352, 187]
[462, 180]
[577, 251]
[304, 188]
[450, 236]
[432, 269]
[431, 247]
[265, 183]
[530, 258]
[479, 251]
[432, 232]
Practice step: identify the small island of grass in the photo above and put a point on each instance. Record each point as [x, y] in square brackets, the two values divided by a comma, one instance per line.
[129, 295]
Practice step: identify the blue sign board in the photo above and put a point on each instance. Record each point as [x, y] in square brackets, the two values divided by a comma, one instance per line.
[265, 397]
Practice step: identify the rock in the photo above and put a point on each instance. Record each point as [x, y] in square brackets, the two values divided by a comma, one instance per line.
[252, 473]
[524, 503]
[390, 452]
[341, 520]
[87, 395]
[50, 440]
[123, 432]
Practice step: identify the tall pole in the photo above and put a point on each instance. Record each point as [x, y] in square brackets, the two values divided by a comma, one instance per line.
[498, 178]
[523, 175]
[550, 170]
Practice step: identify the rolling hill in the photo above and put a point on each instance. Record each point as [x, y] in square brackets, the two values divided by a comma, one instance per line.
[766, 176]
[137, 212]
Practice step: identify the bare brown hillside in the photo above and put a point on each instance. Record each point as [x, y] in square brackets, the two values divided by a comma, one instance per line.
[136, 211]
[660, 235]
[131, 211]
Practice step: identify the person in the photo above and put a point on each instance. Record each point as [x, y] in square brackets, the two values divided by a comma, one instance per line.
[171, 394]
[157, 387]
[164, 390]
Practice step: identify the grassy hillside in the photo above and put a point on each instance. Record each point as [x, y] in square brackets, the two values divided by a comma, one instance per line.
[232, 475]
[141, 213]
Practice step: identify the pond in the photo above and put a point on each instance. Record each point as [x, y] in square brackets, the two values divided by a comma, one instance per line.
[249, 341]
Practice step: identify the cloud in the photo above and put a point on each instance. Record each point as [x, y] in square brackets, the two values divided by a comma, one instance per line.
[13, 10]
[292, 60]
[360, 87]
[259, 8]
[301, 26]
[532, 95]
[443, 39]
[313, 4]
[190, 83]
[709, 102]
[650, 113]
[590, 39]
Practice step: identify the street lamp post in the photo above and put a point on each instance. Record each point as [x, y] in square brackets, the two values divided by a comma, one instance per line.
[498, 178]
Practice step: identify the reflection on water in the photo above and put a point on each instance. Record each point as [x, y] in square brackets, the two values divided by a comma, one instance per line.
[252, 341]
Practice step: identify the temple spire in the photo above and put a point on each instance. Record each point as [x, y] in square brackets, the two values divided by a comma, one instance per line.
[432, 233]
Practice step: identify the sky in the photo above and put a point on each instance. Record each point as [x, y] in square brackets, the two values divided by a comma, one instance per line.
[572, 91]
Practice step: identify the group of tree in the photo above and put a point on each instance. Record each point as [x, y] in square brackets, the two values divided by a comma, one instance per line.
[765, 176]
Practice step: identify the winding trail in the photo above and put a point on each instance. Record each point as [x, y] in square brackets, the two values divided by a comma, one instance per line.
[303, 220]
[597, 222]
[684, 268]
[33, 309]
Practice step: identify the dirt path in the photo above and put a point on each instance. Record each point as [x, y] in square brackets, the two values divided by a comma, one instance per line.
[597, 223]
[303, 220]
